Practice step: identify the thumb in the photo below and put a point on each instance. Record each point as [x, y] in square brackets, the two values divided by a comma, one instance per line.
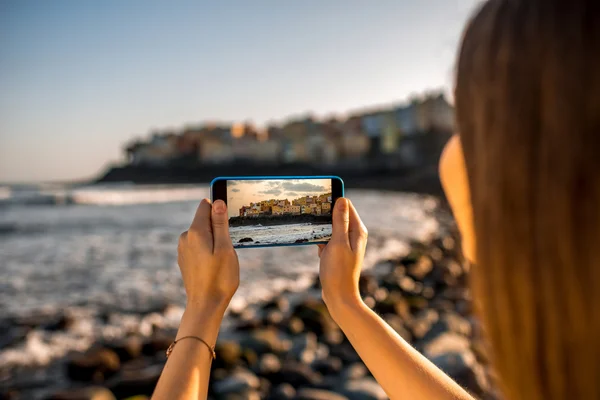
[220, 225]
[341, 221]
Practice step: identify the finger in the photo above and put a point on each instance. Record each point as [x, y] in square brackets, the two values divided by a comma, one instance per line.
[340, 221]
[201, 225]
[357, 231]
[220, 225]
[321, 247]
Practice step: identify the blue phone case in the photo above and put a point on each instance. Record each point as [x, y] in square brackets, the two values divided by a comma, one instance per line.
[257, 178]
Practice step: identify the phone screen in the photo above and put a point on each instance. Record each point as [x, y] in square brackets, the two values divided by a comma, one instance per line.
[274, 212]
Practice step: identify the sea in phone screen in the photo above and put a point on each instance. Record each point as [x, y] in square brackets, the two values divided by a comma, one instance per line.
[286, 211]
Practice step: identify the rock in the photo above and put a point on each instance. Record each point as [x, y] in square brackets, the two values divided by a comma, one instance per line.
[127, 348]
[316, 284]
[284, 391]
[264, 388]
[322, 351]
[280, 303]
[449, 322]
[304, 347]
[346, 353]
[245, 240]
[408, 285]
[416, 303]
[363, 389]
[268, 364]
[240, 381]
[463, 368]
[62, 322]
[394, 303]
[328, 366]
[445, 343]
[228, 353]
[135, 378]
[333, 338]
[448, 243]
[94, 365]
[159, 342]
[315, 316]
[411, 258]
[273, 317]
[367, 285]
[396, 323]
[89, 393]
[381, 294]
[318, 394]
[428, 292]
[294, 326]
[11, 335]
[265, 341]
[421, 268]
[354, 371]
[297, 375]
[249, 357]
[436, 254]
[369, 302]
[422, 323]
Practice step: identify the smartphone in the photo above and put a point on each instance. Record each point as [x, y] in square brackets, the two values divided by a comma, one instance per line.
[269, 211]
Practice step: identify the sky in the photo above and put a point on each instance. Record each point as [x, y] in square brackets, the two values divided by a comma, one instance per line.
[243, 192]
[81, 78]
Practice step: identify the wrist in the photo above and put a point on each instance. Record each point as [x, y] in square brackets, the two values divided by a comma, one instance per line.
[207, 305]
[340, 305]
[202, 319]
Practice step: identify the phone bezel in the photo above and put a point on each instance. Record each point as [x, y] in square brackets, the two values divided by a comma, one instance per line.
[218, 191]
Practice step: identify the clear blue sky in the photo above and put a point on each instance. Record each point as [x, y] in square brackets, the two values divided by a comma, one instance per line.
[79, 78]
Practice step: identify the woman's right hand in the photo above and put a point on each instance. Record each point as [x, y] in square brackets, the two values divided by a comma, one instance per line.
[209, 264]
[342, 257]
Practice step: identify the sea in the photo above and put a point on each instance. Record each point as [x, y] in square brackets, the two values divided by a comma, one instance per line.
[98, 250]
[279, 234]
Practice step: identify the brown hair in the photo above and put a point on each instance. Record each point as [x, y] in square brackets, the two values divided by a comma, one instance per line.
[528, 112]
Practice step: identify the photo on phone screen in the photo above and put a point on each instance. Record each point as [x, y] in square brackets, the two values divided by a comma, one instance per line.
[275, 212]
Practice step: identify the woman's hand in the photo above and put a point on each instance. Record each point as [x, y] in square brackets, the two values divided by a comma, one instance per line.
[211, 275]
[209, 264]
[342, 257]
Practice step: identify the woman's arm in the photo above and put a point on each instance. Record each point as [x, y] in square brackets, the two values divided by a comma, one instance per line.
[400, 370]
[210, 271]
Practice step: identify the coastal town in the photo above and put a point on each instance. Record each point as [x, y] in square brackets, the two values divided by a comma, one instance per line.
[348, 139]
[308, 205]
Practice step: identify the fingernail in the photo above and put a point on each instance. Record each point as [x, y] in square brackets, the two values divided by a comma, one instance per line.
[342, 204]
[219, 206]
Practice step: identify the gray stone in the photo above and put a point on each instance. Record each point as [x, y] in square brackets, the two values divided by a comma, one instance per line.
[328, 366]
[445, 343]
[318, 394]
[464, 369]
[422, 323]
[90, 393]
[304, 347]
[268, 364]
[363, 389]
[284, 391]
[354, 371]
[240, 381]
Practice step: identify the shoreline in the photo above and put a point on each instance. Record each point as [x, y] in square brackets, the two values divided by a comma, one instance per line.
[235, 222]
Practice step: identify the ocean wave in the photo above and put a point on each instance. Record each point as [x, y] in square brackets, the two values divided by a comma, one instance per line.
[99, 195]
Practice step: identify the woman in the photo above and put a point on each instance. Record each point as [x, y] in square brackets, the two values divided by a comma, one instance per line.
[528, 189]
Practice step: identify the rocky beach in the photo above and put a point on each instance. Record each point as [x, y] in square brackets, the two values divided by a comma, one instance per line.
[286, 347]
